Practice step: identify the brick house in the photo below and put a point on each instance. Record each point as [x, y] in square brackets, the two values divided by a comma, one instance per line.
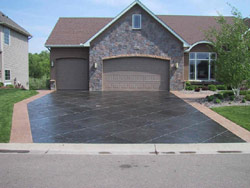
[14, 63]
[136, 50]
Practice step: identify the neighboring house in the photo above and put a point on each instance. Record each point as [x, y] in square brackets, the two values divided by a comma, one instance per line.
[14, 66]
[136, 50]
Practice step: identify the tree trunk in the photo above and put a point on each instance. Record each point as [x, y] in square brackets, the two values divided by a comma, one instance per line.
[236, 92]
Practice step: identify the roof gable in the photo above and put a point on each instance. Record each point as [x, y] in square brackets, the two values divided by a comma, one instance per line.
[6, 21]
[137, 2]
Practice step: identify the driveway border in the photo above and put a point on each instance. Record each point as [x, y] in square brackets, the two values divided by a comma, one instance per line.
[20, 129]
[231, 126]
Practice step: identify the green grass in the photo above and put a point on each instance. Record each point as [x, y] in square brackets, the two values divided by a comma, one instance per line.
[8, 97]
[238, 114]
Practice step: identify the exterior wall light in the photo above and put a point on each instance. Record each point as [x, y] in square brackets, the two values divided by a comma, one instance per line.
[176, 65]
[95, 65]
[52, 63]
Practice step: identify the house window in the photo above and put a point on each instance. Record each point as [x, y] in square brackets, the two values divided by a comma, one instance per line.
[136, 21]
[6, 36]
[201, 65]
[7, 74]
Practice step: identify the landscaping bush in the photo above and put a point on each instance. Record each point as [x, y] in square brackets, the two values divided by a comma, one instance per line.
[189, 88]
[39, 83]
[10, 86]
[197, 89]
[217, 101]
[227, 93]
[188, 83]
[232, 97]
[221, 87]
[244, 92]
[1, 84]
[210, 98]
[204, 88]
[212, 87]
[243, 101]
[220, 96]
[247, 97]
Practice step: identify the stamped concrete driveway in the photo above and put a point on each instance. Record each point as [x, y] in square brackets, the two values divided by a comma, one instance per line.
[121, 117]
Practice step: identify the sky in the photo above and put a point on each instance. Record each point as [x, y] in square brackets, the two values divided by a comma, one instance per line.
[40, 16]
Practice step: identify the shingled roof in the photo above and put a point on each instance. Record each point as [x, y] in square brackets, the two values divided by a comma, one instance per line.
[6, 21]
[76, 31]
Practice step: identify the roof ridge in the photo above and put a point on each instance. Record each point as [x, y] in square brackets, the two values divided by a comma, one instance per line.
[190, 15]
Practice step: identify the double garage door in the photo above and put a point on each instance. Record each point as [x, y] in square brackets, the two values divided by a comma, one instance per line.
[135, 74]
[119, 74]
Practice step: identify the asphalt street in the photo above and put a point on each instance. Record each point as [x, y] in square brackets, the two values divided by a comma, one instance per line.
[90, 171]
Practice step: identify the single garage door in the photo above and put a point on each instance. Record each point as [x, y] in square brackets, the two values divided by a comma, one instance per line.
[135, 74]
[72, 74]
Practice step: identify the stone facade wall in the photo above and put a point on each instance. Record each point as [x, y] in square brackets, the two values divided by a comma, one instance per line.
[15, 58]
[152, 39]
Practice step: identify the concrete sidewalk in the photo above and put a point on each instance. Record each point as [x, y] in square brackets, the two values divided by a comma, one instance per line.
[126, 149]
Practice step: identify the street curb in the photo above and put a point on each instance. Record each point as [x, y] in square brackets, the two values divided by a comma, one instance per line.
[126, 149]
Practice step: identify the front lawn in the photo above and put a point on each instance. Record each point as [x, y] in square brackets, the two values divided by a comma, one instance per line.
[238, 114]
[8, 97]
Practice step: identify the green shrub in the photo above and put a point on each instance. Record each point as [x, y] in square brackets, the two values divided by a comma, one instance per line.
[244, 92]
[188, 83]
[39, 83]
[210, 98]
[204, 88]
[225, 95]
[10, 86]
[243, 101]
[212, 87]
[217, 101]
[220, 96]
[232, 97]
[1, 84]
[197, 89]
[221, 87]
[190, 87]
[247, 97]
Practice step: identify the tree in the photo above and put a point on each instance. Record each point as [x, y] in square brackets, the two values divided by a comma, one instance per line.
[39, 64]
[232, 44]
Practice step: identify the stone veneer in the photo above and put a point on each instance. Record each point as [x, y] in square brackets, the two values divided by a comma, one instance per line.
[151, 39]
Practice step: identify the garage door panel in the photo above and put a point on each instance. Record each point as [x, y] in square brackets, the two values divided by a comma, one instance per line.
[135, 74]
[72, 74]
